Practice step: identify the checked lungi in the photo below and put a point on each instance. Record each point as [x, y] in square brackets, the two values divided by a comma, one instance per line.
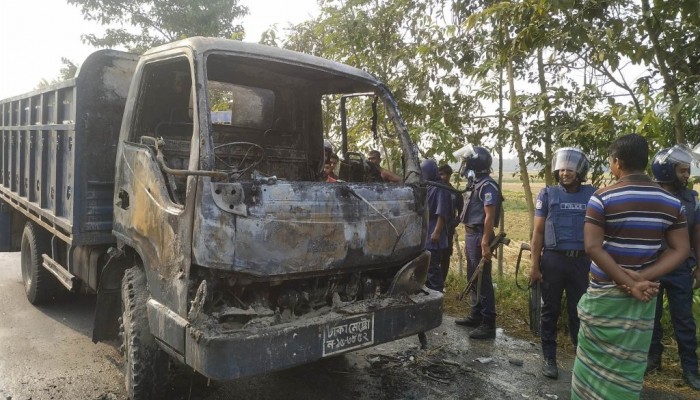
[613, 342]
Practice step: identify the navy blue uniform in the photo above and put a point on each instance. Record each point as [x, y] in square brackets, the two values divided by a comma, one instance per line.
[446, 254]
[439, 205]
[564, 264]
[485, 193]
[677, 285]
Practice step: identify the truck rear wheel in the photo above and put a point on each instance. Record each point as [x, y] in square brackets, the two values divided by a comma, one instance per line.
[39, 284]
[145, 364]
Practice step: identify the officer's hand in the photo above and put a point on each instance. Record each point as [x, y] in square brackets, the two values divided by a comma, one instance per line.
[535, 276]
[485, 251]
[435, 237]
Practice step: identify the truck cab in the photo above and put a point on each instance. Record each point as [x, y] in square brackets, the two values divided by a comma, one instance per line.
[229, 251]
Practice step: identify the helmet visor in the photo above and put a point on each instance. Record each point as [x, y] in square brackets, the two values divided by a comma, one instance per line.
[568, 158]
[465, 152]
[678, 154]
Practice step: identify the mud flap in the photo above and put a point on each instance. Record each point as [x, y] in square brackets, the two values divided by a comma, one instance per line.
[5, 227]
[108, 305]
[535, 307]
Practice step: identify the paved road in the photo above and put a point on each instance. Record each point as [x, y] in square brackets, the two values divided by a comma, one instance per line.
[46, 353]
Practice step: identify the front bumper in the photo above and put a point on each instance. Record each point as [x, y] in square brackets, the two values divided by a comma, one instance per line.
[259, 350]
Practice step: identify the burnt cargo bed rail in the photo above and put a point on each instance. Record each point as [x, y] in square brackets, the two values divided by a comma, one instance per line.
[58, 147]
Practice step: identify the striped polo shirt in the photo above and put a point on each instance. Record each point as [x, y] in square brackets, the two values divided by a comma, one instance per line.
[635, 214]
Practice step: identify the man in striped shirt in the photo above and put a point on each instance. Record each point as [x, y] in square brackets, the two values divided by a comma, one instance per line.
[624, 228]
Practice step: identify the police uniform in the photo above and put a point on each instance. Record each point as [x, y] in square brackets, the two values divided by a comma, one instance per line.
[677, 285]
[564, 264]
[485, 193]
[439, 205]
[446, 254]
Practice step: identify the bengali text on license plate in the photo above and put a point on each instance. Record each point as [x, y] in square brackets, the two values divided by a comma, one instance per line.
[351, 333]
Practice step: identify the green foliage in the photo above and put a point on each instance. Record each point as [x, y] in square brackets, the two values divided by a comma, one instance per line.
[141, 24]
[407, 45]
[66, 72]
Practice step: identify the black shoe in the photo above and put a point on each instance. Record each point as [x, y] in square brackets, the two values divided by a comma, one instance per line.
[469, 321]
[549, 368]
[653, 363]
[484, 331]
[692, 379]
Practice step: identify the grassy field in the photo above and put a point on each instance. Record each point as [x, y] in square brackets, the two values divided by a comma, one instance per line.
[512, 302]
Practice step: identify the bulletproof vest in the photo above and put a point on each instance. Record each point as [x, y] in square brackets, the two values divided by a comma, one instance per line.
[473, 211]
[689, 200]
[563, 228]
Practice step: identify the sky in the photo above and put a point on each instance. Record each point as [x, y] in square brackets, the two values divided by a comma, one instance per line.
[37, 33]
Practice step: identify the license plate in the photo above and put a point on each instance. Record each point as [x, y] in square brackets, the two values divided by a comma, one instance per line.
[348, 334]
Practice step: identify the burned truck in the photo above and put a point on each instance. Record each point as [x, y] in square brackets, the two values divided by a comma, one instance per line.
[210, 240]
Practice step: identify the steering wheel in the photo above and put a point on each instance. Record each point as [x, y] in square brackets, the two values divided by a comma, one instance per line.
[352, 156]
[235, 170]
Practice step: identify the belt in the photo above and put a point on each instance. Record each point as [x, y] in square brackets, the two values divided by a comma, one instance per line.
[569, 253]
[474, 228]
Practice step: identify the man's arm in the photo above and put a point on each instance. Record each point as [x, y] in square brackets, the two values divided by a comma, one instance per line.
[536, 246]
[678, 248]
[437, 232]
[490, 212]
[390, 176]
[696, 248]
[593, 235]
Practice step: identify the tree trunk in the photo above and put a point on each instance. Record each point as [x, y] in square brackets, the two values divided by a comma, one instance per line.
[514, 116]
[501, 144]
[670, 84]
[546, 109]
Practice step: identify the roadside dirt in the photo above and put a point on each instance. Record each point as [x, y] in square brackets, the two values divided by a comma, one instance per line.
[46, 353]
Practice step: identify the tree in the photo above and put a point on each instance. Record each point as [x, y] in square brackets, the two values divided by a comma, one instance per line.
[406, 44]
[141, 24]
[66, 72]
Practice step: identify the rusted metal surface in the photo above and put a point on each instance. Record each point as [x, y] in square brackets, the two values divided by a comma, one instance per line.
[300, 228]
[229, 355]
[154, 225]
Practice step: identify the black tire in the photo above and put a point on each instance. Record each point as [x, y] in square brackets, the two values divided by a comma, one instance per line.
[146, 366]
[39, 284]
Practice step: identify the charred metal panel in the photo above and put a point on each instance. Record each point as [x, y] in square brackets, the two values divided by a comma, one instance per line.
[167, 325]
[229, 355]
[309, 227]
[153, 225]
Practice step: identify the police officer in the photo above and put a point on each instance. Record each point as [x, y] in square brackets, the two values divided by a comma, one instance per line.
[671, 170]
[457, 201]
[480, 215]
[559, 261]
[439, 213]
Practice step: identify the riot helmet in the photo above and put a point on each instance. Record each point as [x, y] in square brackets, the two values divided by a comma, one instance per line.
[475, 159]
[480, 162]
[572, 159]
[663, 167]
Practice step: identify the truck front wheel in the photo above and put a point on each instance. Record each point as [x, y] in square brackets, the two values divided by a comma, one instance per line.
[145, 364]
[39, 284]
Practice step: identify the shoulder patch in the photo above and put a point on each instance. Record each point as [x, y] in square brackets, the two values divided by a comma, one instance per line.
[538, 205]
[488, 197]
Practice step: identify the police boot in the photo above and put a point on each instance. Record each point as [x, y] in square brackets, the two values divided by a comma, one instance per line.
[653, 362]
[692, 379]
[469, 321]
[487, 330]
[549, 368]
